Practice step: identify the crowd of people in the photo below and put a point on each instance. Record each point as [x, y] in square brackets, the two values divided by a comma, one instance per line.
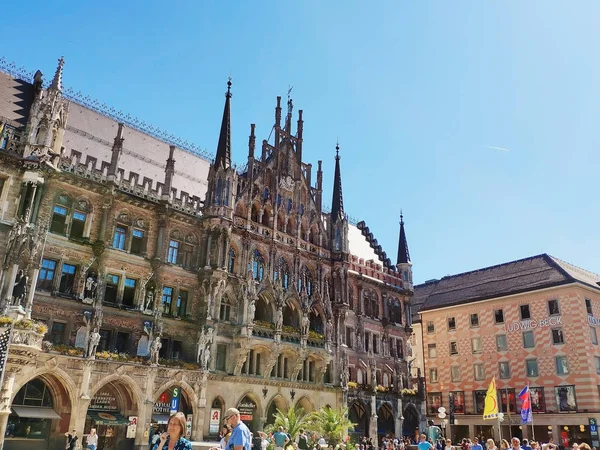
[490, 444]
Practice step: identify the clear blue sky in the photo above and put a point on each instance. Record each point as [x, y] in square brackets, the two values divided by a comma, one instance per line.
[416, 91]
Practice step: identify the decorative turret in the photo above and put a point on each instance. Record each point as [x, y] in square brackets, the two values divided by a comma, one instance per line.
[339, 221]
[222, 177]
[404, 265]
[169, 174]
[47, 120]
[117, 149]
[223, 157]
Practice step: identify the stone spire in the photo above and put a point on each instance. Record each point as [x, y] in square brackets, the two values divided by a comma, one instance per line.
[223, 157]
[403, 255]
[169, 173]
[57, 80]
[117, 149]
[337, 203]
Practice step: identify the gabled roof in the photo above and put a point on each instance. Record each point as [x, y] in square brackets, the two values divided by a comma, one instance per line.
[524, 275]
[16, 97]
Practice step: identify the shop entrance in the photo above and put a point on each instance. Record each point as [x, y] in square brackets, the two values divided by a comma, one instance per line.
[111, 411]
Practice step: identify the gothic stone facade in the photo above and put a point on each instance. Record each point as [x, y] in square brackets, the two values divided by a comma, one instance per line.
[235, 287]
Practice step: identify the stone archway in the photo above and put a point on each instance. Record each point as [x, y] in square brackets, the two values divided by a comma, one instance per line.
[385, 420]
[112, 401]
[411, 420]
[250, 411]
[277, 402]
[359, 414]
[40, 409]
[306, 405]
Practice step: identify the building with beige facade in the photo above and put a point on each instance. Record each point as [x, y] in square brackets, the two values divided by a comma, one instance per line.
[528, 322]
[159, 278]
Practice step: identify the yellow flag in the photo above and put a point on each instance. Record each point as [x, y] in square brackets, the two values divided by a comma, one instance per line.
[490, 410]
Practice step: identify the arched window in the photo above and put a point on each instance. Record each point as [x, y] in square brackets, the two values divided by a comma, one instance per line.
[359, 376]
[34, 394]
[266, 218]
[396, 312]
[263, 311]
[254, 213]
[218, 194]
[226, 196]
[258, 266]
[225, 310]
[60, 212]
[290, 317]
[316, 322]
[281, 273]
[231, 261]
[305, 280]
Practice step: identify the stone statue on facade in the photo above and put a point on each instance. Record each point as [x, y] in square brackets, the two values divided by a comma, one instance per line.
[344, 372]
[305, 324]
[279, 318]
[148, 301]
[251, 309]
[206, 358]
[19, 291]
[204, 342]
[93, 341]
[155, 350]
[91, 288]
[373, 370]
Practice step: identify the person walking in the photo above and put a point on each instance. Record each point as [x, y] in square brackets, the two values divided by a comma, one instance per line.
[173, 439]
[92, 440]
[423, 444]
[240, 435]
[476, 445]
[280, 438]
[491, 445]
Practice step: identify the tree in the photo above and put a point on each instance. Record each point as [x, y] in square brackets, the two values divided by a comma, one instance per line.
[333, 424]
[294, 420]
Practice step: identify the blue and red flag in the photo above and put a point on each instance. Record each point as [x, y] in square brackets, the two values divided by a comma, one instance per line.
[525, 397]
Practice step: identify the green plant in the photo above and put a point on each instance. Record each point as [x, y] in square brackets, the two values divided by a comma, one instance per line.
[331, 423]
[352, 384]
[5, 321]
[25, 324]
[289, 329]
[294, 420]
[314, 335]
[41, 328]
[262, 323]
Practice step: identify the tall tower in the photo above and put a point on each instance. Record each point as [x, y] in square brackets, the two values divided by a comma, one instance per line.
[403, 264]
[339, 221]
[222, 177]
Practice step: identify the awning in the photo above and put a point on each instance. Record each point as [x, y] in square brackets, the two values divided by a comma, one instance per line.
[161, 419]
[107, 417]
[35, 412]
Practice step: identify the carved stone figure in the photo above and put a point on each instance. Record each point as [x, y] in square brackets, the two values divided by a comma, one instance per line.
[251, 310]
[91, 286]
[373, 369]
[359, 341]
[206, 359]
[149, 300]
[328, 330]
[93, 341]
[19, 291]
[279, 321]
[305, 324]
[155, 350]
[204, 341]
[344, 372]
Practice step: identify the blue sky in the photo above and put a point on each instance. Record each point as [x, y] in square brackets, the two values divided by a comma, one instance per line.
[417, 92]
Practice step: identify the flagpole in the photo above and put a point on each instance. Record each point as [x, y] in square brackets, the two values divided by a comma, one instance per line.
[531, 406]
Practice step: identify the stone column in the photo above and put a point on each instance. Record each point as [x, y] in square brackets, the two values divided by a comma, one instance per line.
[34, 279]
[9, 281]
[373, 422]
[104, 223]
[399, 418]
[7, 392]
[208, 244]
[200, 414]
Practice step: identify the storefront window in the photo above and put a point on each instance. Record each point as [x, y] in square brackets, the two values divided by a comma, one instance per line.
[507, 398]
[434, 401]
[32, 412]
[458, 399]
[538, 402]
[565, 398]
[479, 400]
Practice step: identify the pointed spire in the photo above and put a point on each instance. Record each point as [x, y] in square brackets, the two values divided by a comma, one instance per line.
[57, 80]
[403, 254]
[223, 157]
[337, 203]
[116, 153]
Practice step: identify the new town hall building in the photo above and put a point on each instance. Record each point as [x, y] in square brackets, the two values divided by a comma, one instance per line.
[159, 279]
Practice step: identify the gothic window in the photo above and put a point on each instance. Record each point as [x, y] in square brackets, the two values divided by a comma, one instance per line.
[67, 279]
[258, 266]
[78, 224]
[173, 252]
[231, 261]
[281, 369]
[167, 299]
[316, 322]
[254, 214]
[129, 292]
[253, 364]
[46, 275]
[120, 237]
[305, 281]
[289, 206]
[181, 305]
[290, 317]
[359, 376]
[281, 273]
[218, 194]
[307, 373]
[266, 218]
[187, 256]
[281, 222]
[112, 287]
[225, 311]
[137, 241]
[263, 311]
[226, 195]
[59, 219]
[396, 311]
[374, 306]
